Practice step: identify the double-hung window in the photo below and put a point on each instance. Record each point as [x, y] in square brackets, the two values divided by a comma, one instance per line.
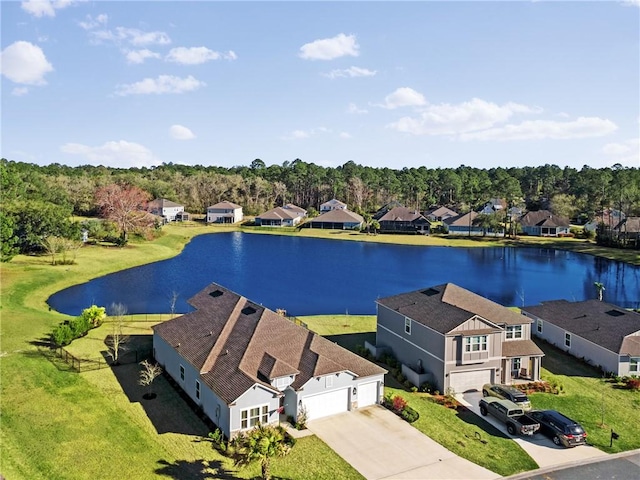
[476, 343]
[634, 365]
[181, 373]
[539, 325]
[197, 389]
[253, 416]
[514, 331]
[567, 340]
[407, 326]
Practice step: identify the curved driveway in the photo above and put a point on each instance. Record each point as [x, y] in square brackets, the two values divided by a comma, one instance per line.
[380, 445]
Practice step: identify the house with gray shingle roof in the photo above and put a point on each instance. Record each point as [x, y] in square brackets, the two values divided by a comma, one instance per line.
[455, 339]
[603, 334]
[337, 220]
[244, 364]
[543, 223]
[224, 212]
[289, 215]
[164, 208]
[402, 219]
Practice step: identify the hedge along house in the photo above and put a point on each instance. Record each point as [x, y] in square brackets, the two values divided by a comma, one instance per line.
[244, 364]
[602, 334]
[455, 339]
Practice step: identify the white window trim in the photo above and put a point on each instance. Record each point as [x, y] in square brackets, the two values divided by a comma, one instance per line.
[567, 339]
[198, 389]
[539, 325]
[481, 340]
[635, 360]
[407, 325]
[260, 418]
[181, 373]
[514, 332]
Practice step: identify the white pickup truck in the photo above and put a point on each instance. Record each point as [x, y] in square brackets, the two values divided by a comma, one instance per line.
[510, 414]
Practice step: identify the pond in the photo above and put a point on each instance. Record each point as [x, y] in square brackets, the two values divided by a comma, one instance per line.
[307, 276]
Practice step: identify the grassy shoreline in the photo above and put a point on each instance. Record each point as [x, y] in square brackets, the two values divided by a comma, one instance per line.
[53, 421]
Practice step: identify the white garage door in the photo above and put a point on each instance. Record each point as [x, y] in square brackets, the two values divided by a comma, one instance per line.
[367, 394]
[325, 404]
[463, 381]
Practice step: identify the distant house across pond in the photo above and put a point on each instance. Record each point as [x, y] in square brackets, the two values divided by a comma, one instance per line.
[224, 212]
[289, 215]
[164, 208]
[340, 219]
[440, 214]
[463, 224]
[543, 223]
[332, 204]
[402, 219]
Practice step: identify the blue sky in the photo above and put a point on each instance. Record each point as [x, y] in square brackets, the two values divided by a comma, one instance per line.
[386, 84]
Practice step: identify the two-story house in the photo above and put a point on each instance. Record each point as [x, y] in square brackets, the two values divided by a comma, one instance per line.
[332, 204]
[164, 208]
[224, 212]
[456, 339]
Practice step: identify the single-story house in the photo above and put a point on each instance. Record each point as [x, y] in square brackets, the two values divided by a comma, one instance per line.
[332, 204]
[288, 216]
[384, 209]
[494, 205]
[337, 220]
[440, 214]
[455, 339]
[401, 219]
[543, 223]
[610, 217]
[244, 364]
[463, 224]
[164, 208]
[224, 212]
[603, 334]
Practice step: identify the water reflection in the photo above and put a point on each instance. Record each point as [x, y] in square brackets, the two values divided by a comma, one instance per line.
[314, 276]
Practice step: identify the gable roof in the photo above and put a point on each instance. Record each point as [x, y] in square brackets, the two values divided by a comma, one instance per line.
[401, 214]
[462, 220]
[225, 205]
[235, 344]
[163, 203]
[384, 209]
[602, 323]
[295, 208]
[279, 213]
[447, 306]
[339, 216]
[543, 218]
[334, 203]
[441, 212]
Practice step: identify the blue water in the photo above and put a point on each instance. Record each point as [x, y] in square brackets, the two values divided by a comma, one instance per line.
[308, 276]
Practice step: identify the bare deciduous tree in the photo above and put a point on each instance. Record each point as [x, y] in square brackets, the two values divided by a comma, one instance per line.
[117, 339]
[150, 371]
[125, 206]
[173, 299]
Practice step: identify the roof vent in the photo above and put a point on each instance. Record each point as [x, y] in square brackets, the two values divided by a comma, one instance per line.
[248, 310]
[216, 293]
[430, 292]
[615, 313]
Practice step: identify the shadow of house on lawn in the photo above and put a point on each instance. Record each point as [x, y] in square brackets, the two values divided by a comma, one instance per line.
[560, 362]
[483, 427]
[195, 470]
[351, 340]
[168, 411]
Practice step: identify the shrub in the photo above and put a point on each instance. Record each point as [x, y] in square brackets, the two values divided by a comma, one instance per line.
[409, 414]
[79, 326]
[62, 335]
[426, 387]
[398, 403]
[632, 383]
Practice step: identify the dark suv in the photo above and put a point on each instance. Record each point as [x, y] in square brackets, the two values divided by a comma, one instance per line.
[562, 430]
[507, 392]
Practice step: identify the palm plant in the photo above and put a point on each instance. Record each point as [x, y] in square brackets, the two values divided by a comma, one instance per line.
[260, 445]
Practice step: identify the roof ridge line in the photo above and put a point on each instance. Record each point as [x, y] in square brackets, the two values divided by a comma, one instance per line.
[224, 335]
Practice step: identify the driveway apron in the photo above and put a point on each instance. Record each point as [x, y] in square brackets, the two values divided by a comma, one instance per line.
[380, 445]
[538, 446]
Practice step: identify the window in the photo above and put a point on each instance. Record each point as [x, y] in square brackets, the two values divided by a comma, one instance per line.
[253, 416]
[197, 389]
[475, 344]
[515, 364]
[634, 364]
[514, 331]
[539, 325]
[181, 373]
[567, 340]
[407, 326]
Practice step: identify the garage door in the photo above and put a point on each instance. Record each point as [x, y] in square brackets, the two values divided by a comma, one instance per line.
[463, 381]
[367, 394]
[325, 404]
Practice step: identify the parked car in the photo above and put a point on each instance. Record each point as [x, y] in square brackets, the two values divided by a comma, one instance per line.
[510, 414]
[559, 428]
[507, 392]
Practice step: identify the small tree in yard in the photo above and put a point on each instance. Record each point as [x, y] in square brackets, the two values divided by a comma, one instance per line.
[117, 339]
[150, 371]
[94, 315]
[600, 287]
[261, 445]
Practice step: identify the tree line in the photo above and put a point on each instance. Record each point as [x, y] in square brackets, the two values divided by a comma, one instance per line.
[37, 199]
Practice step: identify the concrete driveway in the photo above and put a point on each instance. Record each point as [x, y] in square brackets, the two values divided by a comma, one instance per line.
[380, 445]
[538, 446]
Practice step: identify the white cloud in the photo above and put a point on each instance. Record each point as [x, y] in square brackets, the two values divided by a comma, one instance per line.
[582, 127]
[132, 36]
[42, 8]
[403, 97]
[179, 132]
[329, 48]
[139, 56]
[19, 91]
[626, 153]
[196, 55]
[301, 134]
[91, 23]
[345, 135]
[353, 109]
[161, 85]
[351, 72]
[631, 3]
[24, 62]
[447, 119]
[114, 154]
